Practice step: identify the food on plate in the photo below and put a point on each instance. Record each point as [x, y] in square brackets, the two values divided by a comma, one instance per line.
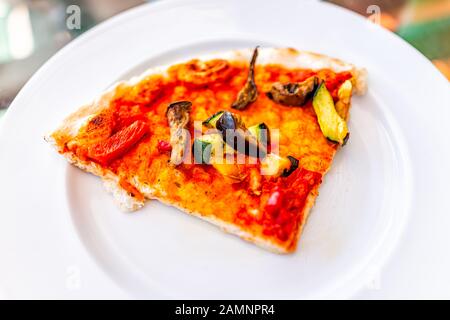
[197, 135]
[293, 94]
[249, 92]
[332, 125]
[177, 114]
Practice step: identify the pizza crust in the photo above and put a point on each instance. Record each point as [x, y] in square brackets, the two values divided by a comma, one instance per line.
[286, 57]
[291, 58]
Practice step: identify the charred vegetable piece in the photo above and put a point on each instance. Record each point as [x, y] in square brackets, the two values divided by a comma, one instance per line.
[249, 92]
[206, 147]
[261, 133]
[274, 165]
[211, 121]
[235, 134]
[118, 144]
[292, 168]
[178, 117]
[332, 125]
[293, 94]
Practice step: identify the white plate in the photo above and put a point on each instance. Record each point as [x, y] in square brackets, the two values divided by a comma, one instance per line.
[380, 225]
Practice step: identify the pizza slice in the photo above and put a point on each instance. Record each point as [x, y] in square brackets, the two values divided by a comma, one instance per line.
[241, 139]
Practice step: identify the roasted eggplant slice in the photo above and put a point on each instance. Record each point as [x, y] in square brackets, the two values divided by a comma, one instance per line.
[235, 134]
[332, 125]
[261, 133]
[293, 94]
[177, 114]
[211, 121]
[249, 92]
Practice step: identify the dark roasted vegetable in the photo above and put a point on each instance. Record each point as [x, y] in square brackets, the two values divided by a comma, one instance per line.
[332, 125]
[293, 94]
[292, 168]
[249, 92]
[211, 121]
[177, 114]
[235, 134]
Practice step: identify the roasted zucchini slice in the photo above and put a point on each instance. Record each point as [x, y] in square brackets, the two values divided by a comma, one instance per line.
[211, 121]
[206, 147]
[261, 133]
[332, 125]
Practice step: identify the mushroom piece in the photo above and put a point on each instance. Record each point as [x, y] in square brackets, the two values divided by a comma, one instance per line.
[249, 92]
[236, 135]
[200, 73]
[293, 94]
[177, 114]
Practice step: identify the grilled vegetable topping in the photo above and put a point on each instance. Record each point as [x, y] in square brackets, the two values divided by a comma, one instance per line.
[332, 125]
[261, 133]
[344, 95]
[164, 146]
[211, 121]
[178, 117]
[207, 146]
[274, 165]
[293, 94]
[118, 144]
[235, 134]
[249, 92]
[292, 168]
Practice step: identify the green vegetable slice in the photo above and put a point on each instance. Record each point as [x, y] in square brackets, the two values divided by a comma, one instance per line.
[332, 125]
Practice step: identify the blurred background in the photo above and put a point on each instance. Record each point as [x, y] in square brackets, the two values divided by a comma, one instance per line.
[31, 31]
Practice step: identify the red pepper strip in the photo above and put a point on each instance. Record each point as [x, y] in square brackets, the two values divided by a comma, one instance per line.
[118, 144]
[274, 202]
[164, 146]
